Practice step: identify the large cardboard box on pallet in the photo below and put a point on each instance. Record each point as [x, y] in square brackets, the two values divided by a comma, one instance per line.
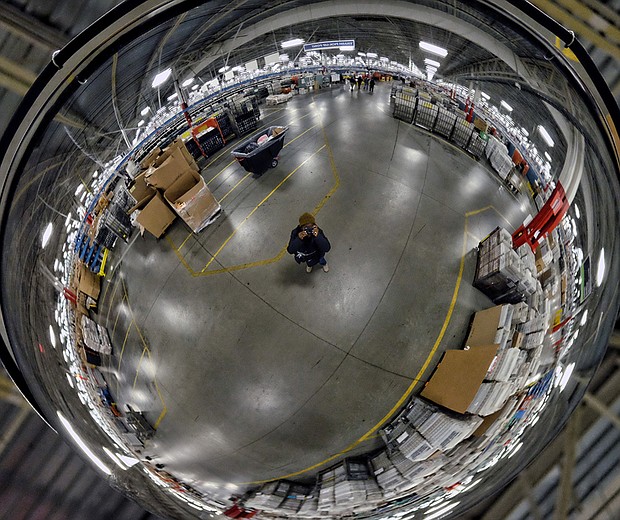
[192, 200]
[156, 216]
[458, 377]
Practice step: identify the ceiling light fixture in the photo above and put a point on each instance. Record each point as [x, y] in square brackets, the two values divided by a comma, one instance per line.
[545, 135]
[194, 87]
[485, 95]
[47, 234]
[371, 55]
[187, 82]
[506, 106]
[434, 49]
[223, 69]
[145, 111]
[295, 42]
[141, 122]
[361, 54]
[170, 98]
[434, 63]
[548, 156]
[161, 78]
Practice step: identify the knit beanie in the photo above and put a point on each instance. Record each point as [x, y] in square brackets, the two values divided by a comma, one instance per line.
[306, 219]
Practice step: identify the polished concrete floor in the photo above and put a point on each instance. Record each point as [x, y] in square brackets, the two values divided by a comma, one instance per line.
[250, 368]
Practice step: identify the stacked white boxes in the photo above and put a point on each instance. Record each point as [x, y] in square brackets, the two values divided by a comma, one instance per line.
[327, 499]
[502, 273]
[95, 336]
[491, 397]
[270, 496]
[309, 508]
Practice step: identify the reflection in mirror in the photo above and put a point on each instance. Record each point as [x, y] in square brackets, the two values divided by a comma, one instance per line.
[296, 261]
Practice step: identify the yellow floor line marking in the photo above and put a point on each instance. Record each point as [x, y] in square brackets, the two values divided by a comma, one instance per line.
[235, 186]
[369, 434]
[222, 170]
[120, 359]
[255, 209]
[145, 349]
[135, 379]
[117, 316]
[185, 241]
[161, 416]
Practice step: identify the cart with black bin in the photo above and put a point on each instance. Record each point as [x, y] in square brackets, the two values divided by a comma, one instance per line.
[262, 151]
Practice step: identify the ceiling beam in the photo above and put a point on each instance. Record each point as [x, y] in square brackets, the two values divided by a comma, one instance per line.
[397, 9]
[31, 29]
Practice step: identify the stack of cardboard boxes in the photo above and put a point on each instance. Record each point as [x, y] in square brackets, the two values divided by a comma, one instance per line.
[171, 186]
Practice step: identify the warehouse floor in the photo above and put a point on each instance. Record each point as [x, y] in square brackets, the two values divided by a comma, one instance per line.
[251, 369]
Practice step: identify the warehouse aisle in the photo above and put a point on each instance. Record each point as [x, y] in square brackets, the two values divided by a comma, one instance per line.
[252, 369]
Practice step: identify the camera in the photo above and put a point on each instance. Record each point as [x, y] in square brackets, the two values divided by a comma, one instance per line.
[309, 230]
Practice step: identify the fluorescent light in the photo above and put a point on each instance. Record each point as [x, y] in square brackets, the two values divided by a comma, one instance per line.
[584, 318]
[548, 156]
[371, 55]
[194, 87]
[295, 42]
[145, 111]
[361, 54]
[187, 82]
[434, 49]
[284, 57]
[161, 78]
[566, 376]
[485, 95]
[525, 133]
[506, 106]
[128, 461]
[440, 512]
[224, 69]
[545, 135]
[52, 337]
[577, 213]
[83, 446]
[600, 270]
[170, 98]
[79, 189]
[434, 63]
[383, 58]
[114, 458]
[47, 234]
[141, 122]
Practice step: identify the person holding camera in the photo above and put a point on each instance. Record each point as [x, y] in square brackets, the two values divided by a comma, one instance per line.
[309, 244]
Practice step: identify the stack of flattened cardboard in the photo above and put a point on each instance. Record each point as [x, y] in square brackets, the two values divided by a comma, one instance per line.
[171, 186]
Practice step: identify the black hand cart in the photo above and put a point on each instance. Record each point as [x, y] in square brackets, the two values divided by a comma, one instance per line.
[258, 157]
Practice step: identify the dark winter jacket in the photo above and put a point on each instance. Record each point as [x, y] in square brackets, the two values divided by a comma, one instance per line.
[310, 249]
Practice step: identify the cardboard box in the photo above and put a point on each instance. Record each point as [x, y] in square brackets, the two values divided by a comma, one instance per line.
[150, 158]
[180, 151]
[86, 281]
[156, 216]
[486, 324]
[481, 125]
[165, 173]
[142, 192]
[458, 377]
[192, 200]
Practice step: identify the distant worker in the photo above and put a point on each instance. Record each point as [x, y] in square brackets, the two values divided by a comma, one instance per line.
[372, 84]
[352, 82]
[309, 244]
[359, 82]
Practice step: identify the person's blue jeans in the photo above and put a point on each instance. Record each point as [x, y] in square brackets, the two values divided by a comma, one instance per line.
[312, 261]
